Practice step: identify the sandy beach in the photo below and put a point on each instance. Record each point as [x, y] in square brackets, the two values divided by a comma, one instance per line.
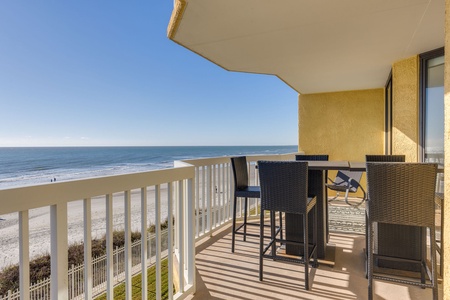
[39, 220]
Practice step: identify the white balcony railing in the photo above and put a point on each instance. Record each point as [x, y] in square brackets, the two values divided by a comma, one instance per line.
[213, 190]
[199, 193]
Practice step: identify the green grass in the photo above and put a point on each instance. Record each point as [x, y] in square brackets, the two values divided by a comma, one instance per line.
[119, 291]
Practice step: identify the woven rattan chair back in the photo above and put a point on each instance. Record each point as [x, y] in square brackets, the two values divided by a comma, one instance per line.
[306, 157]
[401, 193]
[284, 186]
[385, 158]
[243, 190]
[385, 233]
[240, 172]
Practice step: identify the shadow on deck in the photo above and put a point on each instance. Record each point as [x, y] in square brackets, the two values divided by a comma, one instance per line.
[225, 275]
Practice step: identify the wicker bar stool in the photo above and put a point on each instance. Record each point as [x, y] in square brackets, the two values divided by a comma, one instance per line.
[316, 182]
[385, 158]
[386, 233]
[243, 190]
[284, 188]
[403, 194]
[306, 157]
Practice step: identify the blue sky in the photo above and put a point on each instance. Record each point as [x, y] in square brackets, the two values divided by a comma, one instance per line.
[104, 73]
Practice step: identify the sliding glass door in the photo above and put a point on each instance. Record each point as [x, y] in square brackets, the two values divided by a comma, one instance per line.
[432, 107]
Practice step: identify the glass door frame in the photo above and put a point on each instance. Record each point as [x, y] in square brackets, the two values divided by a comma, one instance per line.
[423, 82]
[388, 115]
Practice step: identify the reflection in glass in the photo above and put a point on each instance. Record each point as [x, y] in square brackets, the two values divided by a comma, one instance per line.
[434, 113]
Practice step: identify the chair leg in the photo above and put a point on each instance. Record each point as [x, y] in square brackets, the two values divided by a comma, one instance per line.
[334, 198]
[367, 245]
[370, 260]
[346, 196]
[306, 250]
[281, 225]
[245, 218]
[434, 263]
[233, 231]
[423, 258]
[273, 234]
[316, 264]
[261, 245]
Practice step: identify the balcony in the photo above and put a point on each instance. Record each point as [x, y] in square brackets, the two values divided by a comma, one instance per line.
[198, 192]
[222, 275]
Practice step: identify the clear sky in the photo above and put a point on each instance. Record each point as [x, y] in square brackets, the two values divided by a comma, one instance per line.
[104, 73]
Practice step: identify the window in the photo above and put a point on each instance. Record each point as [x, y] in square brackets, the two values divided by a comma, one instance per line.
[432, 107]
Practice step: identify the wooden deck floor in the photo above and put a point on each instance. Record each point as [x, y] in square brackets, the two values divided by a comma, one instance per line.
[225, 275]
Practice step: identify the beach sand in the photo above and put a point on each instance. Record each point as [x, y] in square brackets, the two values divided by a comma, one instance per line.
[39, 223]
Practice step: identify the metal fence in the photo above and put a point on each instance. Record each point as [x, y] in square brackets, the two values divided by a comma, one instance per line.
[41, 290]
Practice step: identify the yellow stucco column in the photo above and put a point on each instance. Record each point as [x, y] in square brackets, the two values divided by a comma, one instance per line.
[446, 230]
[405, 108]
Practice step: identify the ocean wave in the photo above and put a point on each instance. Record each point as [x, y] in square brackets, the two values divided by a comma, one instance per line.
[40, 176]
[31, 166]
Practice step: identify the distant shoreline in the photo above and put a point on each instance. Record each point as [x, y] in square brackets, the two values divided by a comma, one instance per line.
[25, 166]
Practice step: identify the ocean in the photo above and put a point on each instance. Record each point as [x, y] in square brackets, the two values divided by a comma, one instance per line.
[36, 165]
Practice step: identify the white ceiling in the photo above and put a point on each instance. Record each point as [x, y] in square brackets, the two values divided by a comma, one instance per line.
[312, 45]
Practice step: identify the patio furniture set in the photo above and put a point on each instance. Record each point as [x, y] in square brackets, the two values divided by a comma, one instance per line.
[400, 207]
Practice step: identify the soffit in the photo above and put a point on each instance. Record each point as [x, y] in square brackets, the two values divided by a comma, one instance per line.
[313, 46]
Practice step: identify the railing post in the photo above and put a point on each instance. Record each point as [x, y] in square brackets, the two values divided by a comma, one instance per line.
[230, 190]
[150, 247]
[197, 201]
[87, 249]
[117, 261]
[24, 254]
[170, 239]
[209, 199]
[213, 196]
[128, 254]
[59, 256]
[158, 240]
[190, 234]
[144, 242]
[109, 248]
[204, 210]
[218, 195]
[72, 283]
[180, 236]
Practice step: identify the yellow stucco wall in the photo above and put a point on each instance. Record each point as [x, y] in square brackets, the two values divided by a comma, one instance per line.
[348, 125]
[345, 125]
[405, 108]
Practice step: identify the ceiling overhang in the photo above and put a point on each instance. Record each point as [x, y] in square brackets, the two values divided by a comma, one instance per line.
[313, 46]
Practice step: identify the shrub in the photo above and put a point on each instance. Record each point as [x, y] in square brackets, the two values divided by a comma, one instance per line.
[40, 266]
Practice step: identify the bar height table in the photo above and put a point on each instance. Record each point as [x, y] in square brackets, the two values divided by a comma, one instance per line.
[404, 236]
[317, 176]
